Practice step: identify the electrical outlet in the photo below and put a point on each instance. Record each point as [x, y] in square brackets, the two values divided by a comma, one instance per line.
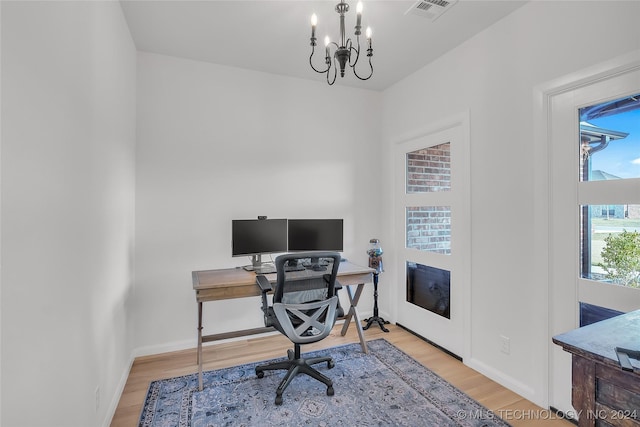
[97, 398]
[505, 344]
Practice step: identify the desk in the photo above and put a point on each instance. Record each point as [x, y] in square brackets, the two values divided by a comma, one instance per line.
[602, 393]
[231, 283]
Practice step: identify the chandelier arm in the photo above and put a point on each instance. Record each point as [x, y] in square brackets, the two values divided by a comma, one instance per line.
[357, 51]
[335, 73]
[370, 74]
[311, 63]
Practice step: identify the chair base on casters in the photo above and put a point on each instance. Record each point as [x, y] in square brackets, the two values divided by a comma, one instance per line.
[298, 365]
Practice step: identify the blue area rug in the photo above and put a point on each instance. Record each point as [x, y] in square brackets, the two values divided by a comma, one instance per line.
[383, 388]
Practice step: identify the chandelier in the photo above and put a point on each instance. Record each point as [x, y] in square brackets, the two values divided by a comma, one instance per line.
[344, 52]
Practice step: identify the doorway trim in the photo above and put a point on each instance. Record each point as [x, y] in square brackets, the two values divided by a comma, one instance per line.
[543, 96]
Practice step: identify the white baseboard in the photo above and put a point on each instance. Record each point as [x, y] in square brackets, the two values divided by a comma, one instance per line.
[187, 345]
[504, 380]
[163, 348]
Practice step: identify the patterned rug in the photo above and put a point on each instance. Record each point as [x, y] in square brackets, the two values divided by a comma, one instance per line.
[383, 388]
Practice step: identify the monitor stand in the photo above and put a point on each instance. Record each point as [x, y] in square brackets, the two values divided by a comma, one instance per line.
[258, 266]
[317, 264]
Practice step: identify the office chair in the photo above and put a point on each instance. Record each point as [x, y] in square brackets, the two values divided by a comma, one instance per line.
[305, 307]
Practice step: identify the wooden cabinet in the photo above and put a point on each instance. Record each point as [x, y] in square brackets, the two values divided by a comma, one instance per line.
[602, 393]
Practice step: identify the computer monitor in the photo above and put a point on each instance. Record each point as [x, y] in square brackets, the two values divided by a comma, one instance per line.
[315, 235]
[254, 237]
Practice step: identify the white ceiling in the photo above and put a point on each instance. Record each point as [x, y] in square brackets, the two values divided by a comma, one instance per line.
[273, 36]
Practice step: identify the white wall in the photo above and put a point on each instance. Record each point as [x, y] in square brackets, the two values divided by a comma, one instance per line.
[218, 143]
[493, 76]
[68, 114]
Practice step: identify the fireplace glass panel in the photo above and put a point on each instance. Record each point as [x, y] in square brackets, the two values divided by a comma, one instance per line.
[429, 288]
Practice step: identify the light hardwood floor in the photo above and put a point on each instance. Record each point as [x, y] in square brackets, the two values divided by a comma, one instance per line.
[518, 411]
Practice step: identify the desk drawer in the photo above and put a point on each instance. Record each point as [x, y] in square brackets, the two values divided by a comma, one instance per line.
[354, 279]
[617, 397]
[214, 294]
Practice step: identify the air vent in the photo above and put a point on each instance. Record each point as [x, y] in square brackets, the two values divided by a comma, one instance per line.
[431, 9]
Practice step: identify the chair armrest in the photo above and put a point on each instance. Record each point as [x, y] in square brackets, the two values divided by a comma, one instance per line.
[265, 287]
[264, 284]
[339, 310]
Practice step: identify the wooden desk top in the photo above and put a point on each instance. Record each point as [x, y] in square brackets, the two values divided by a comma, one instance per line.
[599, 340]
[228, 283]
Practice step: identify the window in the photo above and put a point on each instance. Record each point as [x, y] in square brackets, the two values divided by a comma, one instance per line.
[610, 140]
[429, 228]
[429, 169]
[609, 150]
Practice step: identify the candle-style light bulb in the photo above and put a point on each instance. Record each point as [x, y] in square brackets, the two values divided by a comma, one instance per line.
[358, 14]
[368, 33]
[327, 40]
[314, 22]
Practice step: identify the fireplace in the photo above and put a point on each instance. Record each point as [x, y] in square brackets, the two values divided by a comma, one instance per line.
[429, 288]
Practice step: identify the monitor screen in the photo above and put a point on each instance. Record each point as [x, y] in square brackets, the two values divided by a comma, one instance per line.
[258, 236]
[315, 234]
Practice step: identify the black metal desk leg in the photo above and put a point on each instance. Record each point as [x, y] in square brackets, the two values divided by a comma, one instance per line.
[375, 318]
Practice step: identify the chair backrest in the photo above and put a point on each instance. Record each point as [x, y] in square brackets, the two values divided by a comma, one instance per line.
[306, 285]
[304, 301]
